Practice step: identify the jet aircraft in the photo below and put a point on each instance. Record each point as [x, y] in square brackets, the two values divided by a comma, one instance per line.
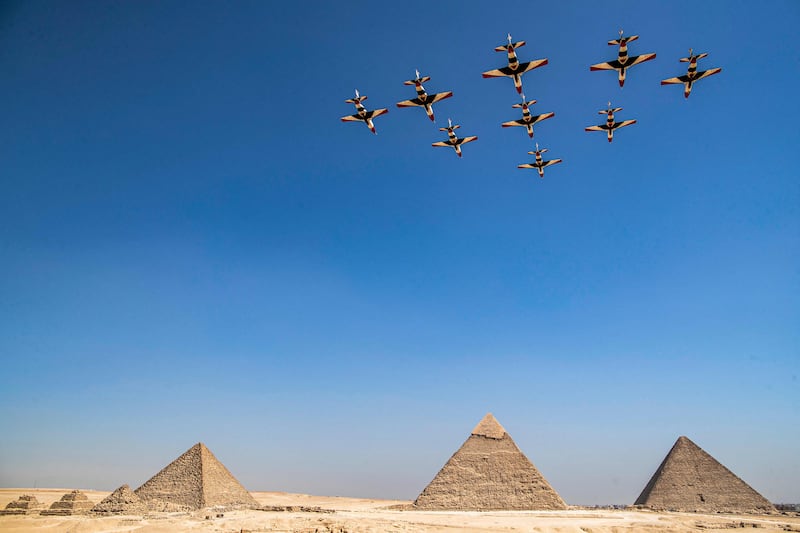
[515, 69]
[610, 125]
[527, 119]
[452, 140]
[623, 61]
[362, 114]
[691, 75]
[423, 99]
[539, 164]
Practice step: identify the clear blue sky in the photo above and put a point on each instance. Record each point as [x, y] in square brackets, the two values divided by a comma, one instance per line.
[195, 248]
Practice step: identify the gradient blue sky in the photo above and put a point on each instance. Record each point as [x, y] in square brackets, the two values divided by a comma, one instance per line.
[194, 248]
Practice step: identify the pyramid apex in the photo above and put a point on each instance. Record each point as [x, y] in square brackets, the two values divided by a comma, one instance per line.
[684, 441]
[489, 427]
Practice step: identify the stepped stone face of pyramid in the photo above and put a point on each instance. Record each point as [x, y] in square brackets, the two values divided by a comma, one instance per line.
[689, 479]
[121, 501]
[195, 480]
[25, 504]
[71, 503]
[488, 473]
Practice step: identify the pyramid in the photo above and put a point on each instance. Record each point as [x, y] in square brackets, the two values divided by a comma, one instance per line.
[487, 473]
[74, 502]
[195, 480]
[689, 479]
[25, 504]
[121, 501]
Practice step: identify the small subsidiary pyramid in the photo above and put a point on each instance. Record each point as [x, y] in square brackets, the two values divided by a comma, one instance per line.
[689, 479]
[195, 480]
[25, 504]
[71, 503]
[488, 473]
[121, 501]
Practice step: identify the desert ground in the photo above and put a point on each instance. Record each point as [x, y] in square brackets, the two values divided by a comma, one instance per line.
[302, 513]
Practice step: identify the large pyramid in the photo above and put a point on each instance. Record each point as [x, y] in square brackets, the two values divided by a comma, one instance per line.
[121, 501]
[689, 479]
[487, 473]
[195, 480]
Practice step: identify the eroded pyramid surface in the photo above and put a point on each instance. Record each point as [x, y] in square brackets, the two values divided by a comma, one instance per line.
[121, 501]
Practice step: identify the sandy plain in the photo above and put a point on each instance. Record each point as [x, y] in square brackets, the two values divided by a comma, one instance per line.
[321, 514]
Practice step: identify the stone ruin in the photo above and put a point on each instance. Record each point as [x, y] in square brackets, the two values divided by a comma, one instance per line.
[193, 481]
[689, 479]
[25, 504]
[121, 501]
[71, 503]
[489, 473]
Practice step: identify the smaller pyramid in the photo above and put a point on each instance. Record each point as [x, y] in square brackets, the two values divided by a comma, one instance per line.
[489, 473]
[71, 503]
[193, 481]
[121, 501]
[689, 479]
[25, 504]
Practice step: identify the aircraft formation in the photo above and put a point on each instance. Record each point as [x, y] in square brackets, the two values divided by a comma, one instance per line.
[514, 70]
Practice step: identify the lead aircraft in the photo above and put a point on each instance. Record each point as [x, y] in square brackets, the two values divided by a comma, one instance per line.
[423, 99]
[623, 61]
[452, 140]
[691, 75]
[610, 125]
[362, 114]
[539, 164]
[527, 119]
[515, 69]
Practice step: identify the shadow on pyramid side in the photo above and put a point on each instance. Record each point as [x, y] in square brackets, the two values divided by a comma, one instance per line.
[193, 481]
[689, 479]
[489, 473]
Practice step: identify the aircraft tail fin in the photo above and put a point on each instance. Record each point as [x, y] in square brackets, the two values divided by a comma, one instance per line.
[514, 46]
[424, 79]
[623, 40]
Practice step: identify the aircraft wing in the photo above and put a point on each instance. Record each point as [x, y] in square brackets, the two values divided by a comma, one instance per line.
[539, 118]
[506, 71]
[433, 98]
[707, 73]
[622, 124]
[499, 73]
[608, 65]
[602, 127]
[527, 165]
[530, 65]
[677, 79]
[635, 60]
[465, 140]
[442, 143]
[551, 162]
[376, 113]
[352, 118]
[514, 123]
[411, 103]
